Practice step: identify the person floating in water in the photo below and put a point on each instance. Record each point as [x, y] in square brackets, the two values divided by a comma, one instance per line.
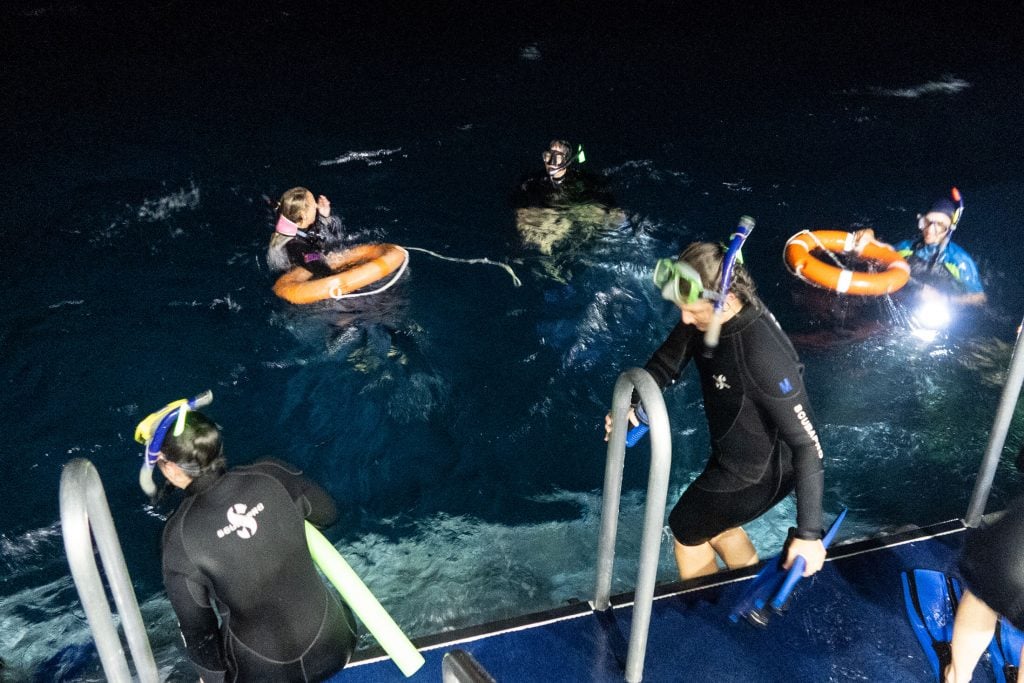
[237, 570]
[303, 231]
[763, 440]
[938, 265]
[562, 198]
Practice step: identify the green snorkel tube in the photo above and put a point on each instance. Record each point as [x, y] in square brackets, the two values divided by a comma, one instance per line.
[743, 230]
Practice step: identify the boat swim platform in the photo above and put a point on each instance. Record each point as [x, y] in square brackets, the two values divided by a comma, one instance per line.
[846, 623]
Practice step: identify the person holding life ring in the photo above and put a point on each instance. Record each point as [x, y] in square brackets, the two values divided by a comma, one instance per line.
[303, 231]
[347, 271]
[302, 234]
[942, 267]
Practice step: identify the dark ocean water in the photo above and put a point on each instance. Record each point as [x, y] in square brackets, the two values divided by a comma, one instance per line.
[457, 417]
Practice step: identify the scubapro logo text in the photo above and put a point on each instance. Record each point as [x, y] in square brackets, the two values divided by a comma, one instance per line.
[241, 520]
[805, 422]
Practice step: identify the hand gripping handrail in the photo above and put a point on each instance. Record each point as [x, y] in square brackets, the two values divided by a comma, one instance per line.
[654, 511]
[997, 437]
[85, 516]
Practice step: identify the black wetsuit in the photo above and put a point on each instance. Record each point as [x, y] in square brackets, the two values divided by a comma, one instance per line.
[992, 563]
[237, 540]
[575, 187]
[306, 249]
[763, 441]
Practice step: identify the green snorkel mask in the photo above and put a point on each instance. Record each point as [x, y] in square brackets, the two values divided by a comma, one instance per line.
[680, 282]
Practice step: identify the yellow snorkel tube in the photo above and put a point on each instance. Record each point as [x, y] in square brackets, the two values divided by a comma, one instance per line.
[153, 429]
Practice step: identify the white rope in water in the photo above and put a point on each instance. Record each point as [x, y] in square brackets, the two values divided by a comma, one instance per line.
[398, 273]
[515, 280]
[405, 263]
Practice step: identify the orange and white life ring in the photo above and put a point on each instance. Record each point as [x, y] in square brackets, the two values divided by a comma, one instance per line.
[799, 259]
[353, 268]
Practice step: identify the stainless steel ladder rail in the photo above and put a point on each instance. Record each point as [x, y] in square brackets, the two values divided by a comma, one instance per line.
[997, 438]
[85, 515]
[654, 510]
[459, 666]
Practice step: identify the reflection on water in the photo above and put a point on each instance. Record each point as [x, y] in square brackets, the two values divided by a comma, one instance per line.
[545, 228]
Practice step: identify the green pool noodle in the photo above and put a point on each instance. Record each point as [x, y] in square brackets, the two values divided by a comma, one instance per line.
[355, 593]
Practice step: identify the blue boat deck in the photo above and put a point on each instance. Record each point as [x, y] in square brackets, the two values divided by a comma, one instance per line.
[845, 624]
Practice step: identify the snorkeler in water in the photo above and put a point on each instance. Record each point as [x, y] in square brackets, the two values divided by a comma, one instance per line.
[563, 183]
[304, 228]
[941, 267]
[549, 204]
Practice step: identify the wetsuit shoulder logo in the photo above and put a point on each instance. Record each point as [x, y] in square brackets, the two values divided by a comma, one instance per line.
[805, 422]
[241, 521]
[720, 382]
[785, 386]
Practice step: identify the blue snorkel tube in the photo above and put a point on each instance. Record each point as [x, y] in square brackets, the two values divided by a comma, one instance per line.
[153, 430]
[743, 230]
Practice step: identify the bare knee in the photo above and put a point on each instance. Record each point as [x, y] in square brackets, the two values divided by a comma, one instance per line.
[734, 547]
[695, 560]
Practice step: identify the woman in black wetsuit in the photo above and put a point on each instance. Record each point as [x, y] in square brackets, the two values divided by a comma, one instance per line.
[763, 441]
[235, 549]
[303, 231]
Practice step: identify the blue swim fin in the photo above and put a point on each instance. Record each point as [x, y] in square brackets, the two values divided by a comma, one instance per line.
[773, 584]
[796, 571]
[1004, 651]
[931, 599]
[761, 589]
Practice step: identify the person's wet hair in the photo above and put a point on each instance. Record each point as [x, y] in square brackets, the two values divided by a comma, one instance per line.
[706, 258]
[198, 449]
[560, 146]
[293, 204]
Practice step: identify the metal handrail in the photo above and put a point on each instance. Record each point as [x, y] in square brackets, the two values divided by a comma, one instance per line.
[997, 438]
[85, 516]
[654, 509]
[458, 666]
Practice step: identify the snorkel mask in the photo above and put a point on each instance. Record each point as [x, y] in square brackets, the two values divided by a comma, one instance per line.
[954, 221]
[680, 282]
[557, 160]
[153, 430]
[286, 227]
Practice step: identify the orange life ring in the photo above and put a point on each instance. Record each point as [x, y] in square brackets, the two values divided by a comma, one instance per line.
[806, 267]
[353, 268]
